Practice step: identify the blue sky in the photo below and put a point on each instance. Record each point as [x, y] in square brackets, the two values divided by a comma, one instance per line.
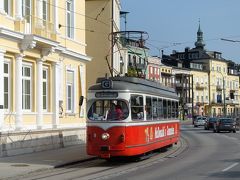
[176, 21]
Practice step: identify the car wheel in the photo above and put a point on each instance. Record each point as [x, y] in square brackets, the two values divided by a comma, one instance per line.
[214, 130]
[234, 131]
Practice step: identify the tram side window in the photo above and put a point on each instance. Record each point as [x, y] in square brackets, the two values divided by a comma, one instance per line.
[169, 109]
[173, 109]
[177, 110]
[155, 108]
[164, 108]
[137, 107]
[160, 108]
[149, 107]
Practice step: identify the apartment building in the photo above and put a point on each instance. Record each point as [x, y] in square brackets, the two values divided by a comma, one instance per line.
[154, 69]
[103, 19]
[215, 87]
[42, 66]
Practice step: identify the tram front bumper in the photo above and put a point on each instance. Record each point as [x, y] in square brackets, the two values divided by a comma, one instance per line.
[112, 148]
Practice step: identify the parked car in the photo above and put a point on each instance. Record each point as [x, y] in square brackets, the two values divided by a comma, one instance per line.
[200, 121]
[225, 124]
[209, 123]
[194, 118]
[237, 123]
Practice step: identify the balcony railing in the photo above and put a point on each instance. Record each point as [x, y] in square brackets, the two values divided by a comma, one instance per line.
[200, 86]
[219, 87]
[233, 90]
[232, 101]
[138, 65]
[37, 26]
[181, 85]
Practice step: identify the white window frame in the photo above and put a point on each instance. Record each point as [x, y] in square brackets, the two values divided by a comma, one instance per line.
[70, 25]
[73, 91]
[7, 75]
[8, 10]
[45, 80]
[27, 65]
[45, 14]
[24, 8]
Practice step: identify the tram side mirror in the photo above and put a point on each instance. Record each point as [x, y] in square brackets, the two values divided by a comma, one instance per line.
[81, 100]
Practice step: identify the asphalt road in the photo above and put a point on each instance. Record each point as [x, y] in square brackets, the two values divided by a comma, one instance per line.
[211, 156]
[200, 155]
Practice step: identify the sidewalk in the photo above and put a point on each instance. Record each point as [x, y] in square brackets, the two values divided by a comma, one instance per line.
[23, 164]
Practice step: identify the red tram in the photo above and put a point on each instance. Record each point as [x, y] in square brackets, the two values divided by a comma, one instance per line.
[130, 116]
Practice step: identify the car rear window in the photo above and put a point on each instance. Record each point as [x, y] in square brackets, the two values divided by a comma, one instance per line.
[201, 118]
[227, 120]
[212, 120]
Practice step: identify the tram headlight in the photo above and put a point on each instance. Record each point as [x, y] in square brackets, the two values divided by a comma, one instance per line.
[105, 136]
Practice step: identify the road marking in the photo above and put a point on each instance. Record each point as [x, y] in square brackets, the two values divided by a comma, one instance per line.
[230, 167]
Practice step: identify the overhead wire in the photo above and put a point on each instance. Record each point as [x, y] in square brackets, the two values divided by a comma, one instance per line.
[171, 44]
[102, 10]
[89, 30]
[62, 8]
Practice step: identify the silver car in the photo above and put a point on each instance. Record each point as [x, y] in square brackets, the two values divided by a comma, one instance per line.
[200, 121]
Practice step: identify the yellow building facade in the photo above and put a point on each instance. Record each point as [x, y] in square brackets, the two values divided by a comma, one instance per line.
[224, 89]
[42, 64]
[200, 92]
[101, 46]
[166, 77]
[215, 89]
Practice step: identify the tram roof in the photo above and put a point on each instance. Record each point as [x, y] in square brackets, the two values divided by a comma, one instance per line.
[134, 84]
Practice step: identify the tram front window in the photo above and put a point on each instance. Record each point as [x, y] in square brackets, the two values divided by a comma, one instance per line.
[108, 110]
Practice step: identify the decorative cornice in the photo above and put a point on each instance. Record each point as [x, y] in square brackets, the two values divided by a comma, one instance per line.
[43, 40]
[30, 41]
[11, 34]
[27, 43]
[47, 51]
[74, 54]
[2, 51]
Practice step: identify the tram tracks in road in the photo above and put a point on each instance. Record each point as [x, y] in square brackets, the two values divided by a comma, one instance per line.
[100, 169]
[173, 153]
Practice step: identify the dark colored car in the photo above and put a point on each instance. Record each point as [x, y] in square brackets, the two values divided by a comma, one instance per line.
[209, 123]
[225, 124]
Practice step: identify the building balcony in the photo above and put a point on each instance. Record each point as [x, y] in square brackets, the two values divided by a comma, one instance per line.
[219, 87]
[233, 90]
[36, 26]
[163, 73]
[202, 103]
[199, 103]
[138, 66]
[200, 86]
[181, 86]
[232, 101]
[216, 102]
